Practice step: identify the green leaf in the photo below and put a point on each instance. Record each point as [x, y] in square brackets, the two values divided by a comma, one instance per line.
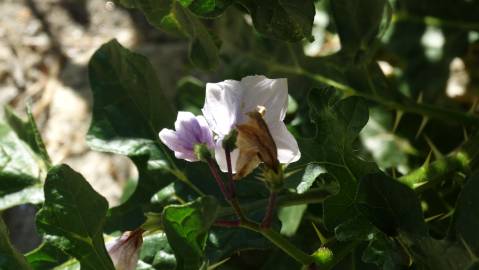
[291, 217]
[466, 216]
[75, 212]
[28, 132]
[391, 206]
[9, 257]
[46, 256]
[186, 227]
[311, 172]
[357, 23]
[190, 95]
[338, 123]
[356, 228]
[31, 194]
[282, 19]
[129, 107]
[20, 167]
[128, 112]
[385, 253]
[157, 253]
[175, 16]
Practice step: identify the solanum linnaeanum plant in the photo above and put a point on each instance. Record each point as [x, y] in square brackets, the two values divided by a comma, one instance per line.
[353, 170]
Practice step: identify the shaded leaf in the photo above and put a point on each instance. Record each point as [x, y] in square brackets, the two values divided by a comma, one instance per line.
[46, 256]
[391, 206]
[75, 212]
[128, 112]
[282, 19]
[175, 16]
[466, 216]
[338, 123]
[358, 23]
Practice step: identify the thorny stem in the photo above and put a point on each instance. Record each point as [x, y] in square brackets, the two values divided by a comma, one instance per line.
[268, 217]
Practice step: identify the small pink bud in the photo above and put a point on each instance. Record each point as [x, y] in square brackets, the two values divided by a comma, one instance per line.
[125, 250]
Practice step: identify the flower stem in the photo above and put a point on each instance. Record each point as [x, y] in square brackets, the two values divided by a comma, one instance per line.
[268, 217]
[218, 179]
[232, 187]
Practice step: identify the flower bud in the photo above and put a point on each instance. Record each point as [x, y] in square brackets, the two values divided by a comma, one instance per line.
[125, 250]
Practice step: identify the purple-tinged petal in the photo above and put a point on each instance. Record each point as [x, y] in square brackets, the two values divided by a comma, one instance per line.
[171, 140]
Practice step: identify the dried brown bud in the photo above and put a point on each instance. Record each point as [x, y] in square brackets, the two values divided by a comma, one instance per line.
[255, 145]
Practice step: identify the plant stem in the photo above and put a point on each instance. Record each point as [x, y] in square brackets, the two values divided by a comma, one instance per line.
[268, 217]
[281, 242]
[232, 187]
[406, 105]
[219, 181]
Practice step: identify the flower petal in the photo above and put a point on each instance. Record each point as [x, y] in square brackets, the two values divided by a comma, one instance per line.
[220, 157]
[171, 140]
[206, 134]
[222, 105]
[288, 150]
[270, 93]
[187, 128]
[186, 155]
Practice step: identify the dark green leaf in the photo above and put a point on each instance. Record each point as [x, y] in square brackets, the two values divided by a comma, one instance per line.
[46, 256]
[186, 227]
[385, 253]
[75, 212]
[128, 112]
[358, 23]
[129, 107]
[466, 216]
[282, 19]
[9, 257]
[391, 206]
[190, 95]
[175, 16]
[338, 123]
[356, 228]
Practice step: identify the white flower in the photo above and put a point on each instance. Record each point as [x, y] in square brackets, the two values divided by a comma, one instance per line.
[228, 102]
